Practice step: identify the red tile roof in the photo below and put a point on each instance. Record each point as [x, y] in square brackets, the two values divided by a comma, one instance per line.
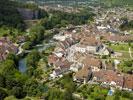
[89, 61]
[52, 59]
[63, 63]
[120, 38]
[109, 76]
[83, 73]
[128, 81]
[6, 46]
[90, 41]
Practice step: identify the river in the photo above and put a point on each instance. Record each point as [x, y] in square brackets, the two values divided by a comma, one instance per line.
[40, 47]
[22, 65]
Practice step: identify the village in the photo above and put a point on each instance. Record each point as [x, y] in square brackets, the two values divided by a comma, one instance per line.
[87, 51]
[91, 54]
[66, 50]
[98, 53]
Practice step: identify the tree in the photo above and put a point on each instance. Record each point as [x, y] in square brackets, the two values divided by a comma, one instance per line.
[56, 94]
[37, 33]
[9, 15]
[2, 81]
[37, 73]
[68, 95]
[27, 45]
[117, 95]
[30, 71]
[8, 67]
[126, 25]
[128, 63]
[33, 58]
[13, 57]
[32, 87]
[10, 82]
[18, 92]
[3, 94]
[125, 94]
[42, 14]
[11, 79]
[33, 39]
[59, 19]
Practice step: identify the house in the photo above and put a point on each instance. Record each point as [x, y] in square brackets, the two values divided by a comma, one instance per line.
[92, 44]
[59, 49]
[91, 41]
[62, 37]
[70, 41]
[128, 82]
[109, 78]
[83, 75]
[61, 66]
[120, 38]
[104, 51]
[55, 73]
[66, 43]
[85, 48]
[111, 51]
[52, 59]
[75, 54]
[3, 54]
[6, 47]
[65, 66]
[59, 54]
[76, 66]
[76, 37]
[62, 45]
[93, 63]
[101, 27]
[80, 48]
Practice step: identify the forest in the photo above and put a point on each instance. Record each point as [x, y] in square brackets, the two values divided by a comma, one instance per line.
[9, 15]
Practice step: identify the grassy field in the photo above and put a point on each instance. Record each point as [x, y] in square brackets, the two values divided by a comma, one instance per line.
[120, 47]
[126, 64]
[125, 55]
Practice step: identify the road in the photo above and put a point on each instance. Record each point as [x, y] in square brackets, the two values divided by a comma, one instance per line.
[20, 49]
[104, 64]
[130, 52]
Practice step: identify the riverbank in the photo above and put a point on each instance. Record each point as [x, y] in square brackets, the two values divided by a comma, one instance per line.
[22, 66]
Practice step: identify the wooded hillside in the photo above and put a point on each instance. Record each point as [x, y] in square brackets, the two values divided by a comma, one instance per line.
[9, 16]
